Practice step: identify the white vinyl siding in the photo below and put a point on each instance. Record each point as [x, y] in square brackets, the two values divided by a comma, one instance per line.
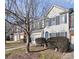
[61, 19]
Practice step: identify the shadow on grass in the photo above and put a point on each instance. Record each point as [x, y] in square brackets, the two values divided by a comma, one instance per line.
[39, 50]
[70, 50]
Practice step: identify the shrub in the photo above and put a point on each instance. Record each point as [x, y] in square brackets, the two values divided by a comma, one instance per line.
[41, 41]
[7, 38]
[61, 43]
[24, 40]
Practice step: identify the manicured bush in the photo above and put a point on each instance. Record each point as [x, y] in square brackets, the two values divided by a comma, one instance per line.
[61, 43]
[41, 41]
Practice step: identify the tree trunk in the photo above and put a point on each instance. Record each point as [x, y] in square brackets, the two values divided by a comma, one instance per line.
[28, 34]
[28, 43]
[28, 50]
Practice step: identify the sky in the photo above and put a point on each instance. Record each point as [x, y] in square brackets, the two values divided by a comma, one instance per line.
[49, 3]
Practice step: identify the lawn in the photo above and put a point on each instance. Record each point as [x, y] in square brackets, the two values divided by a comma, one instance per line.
[13, 44]
[38, 52]
[49, 54]
[14, 52]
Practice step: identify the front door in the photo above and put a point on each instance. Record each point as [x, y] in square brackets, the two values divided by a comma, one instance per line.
[46, 35]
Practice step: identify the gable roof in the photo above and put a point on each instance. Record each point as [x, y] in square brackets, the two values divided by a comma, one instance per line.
[52, 7]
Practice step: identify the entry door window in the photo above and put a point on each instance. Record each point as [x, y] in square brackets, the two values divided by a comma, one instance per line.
[46, 35]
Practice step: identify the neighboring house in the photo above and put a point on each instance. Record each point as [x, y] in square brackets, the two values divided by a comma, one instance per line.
[18, 36]
[9, 29]
[37, 29]
[18, 33]
[13, 32]
[56, 22]
[72, 29]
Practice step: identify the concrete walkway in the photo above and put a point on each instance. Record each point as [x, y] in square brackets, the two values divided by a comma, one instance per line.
[22, 46]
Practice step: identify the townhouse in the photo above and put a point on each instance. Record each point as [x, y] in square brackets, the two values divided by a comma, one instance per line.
[57, 21]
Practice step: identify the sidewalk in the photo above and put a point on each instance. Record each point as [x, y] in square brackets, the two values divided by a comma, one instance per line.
[22, 46]
[15, 48]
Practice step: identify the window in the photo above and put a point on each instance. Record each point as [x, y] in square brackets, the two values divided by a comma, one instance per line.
[63, 19]
[33, 25]
[46, 35]
[57, 20]
[49, 22]
[52, 34]
[38, 25]
[46, 22]
[53, 21]
[42, 23]
[57, 34]
[63, 34]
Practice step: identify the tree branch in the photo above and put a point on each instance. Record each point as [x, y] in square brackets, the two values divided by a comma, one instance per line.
[16, 24]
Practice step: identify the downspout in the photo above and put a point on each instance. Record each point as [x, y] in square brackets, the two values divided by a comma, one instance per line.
[70, 26]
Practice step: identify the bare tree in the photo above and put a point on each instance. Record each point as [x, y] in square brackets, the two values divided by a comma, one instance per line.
[21, 10]
[24, 11]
